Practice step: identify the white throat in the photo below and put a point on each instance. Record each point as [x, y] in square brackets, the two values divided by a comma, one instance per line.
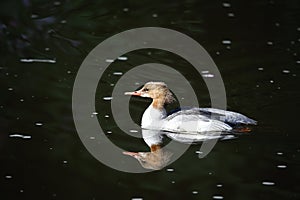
[153, 118]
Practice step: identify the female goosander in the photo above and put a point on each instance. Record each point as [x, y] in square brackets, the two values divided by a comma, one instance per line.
[192, 120]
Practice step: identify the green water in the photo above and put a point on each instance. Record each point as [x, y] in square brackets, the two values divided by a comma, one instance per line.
[260, 69]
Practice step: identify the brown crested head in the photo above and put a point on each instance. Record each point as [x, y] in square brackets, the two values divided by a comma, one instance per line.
[158, 90]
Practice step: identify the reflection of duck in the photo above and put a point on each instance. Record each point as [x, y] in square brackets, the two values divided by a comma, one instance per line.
[184, 120]
[158, 157]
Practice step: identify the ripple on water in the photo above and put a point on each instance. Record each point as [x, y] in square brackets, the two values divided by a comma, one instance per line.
[16, 135]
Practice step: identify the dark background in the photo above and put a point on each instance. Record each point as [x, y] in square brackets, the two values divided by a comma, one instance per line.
[260, 69]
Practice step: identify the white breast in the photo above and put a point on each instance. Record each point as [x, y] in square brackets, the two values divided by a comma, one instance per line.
[153, 118]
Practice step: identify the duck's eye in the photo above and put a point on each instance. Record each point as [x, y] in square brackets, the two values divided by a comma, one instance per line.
[145, 90]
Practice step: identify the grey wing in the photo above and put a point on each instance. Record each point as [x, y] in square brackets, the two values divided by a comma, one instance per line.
[228, 116]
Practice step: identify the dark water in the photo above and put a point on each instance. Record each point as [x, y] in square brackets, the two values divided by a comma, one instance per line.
[260, 69]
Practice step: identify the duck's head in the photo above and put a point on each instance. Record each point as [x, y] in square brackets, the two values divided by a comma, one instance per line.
[155, 90]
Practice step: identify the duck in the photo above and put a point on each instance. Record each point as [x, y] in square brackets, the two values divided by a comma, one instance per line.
[184, 120]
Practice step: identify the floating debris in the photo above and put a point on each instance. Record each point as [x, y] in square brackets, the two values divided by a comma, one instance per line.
[268, 183]
[226, 41]
[260, 69]
[39, 124]
[109, 132]
[125, 9]
[32, 60]
[219, 185]
[281, 166]
[109, 60]
[208, 75]
[170, 170]
[10, 89]
[279, 153]
[65, 162]
[230, 14]
[8, 176]
[118, 73]
[123, 58]
[271, 81]
[226, 5]
[270, 43]
[285, 71]
[16, 135]
[218, 197]
[154, 15]
[106, 116]
[107, 98]
[194, 192]
[133, 131]
[94, 113]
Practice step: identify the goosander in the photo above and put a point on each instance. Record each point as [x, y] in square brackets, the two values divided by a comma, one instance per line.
[191, 120]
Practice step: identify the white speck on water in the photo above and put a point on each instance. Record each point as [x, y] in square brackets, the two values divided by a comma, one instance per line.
[47, 49]
[65, 161]
[125, 9]
[107, 98]
[118, 73]
[68, 72]
[34, 16]
[39, 124]
[257, 85]
[133, 131]
[279, 153]
[278, 88]
[8, 176]
[219, 185]
[218, 53]
[277, 24]
[271, 81]
[22, 100]
[208, 75]
[218, 197]
[268, 183]
[154, 15]
[32, 60]
[109, 132]
[228, 47]
[205, 72]
[194, 192]
[298, 61]
[56, 3]
[260, 69]
[298, 29]
[281, 166]
[123, 58]
[136, 83]
[63, 21]
[172, 182]
[230, 14]
[92, 138]
[21, 191]
[170, 170]
[106, 116]
[269, 43]
[95, 113]
[209, 173]
[10, 89]
[285, 71]
[112, 84]
[137, 198]
[17, 135]
[109, 60]
[198, 152]
[226, 5]
[226, 41]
